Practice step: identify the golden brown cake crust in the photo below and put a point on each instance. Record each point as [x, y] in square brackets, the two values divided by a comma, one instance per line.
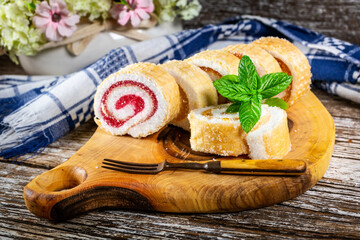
[264, 62]
[220, 61]
[294, 59]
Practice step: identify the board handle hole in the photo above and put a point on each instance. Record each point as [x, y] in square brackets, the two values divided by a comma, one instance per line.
[62, 178]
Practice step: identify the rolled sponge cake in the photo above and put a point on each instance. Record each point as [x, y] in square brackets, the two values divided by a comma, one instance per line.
[263, 61]
[138, 100]
[292, 61]
[216, 63]
[196, 89]
[217, 132]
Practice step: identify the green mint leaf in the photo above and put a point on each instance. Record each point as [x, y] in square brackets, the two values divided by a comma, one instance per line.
[229, 87]
[277, 102]
[250, 112]
[233, 108]
[247, 73]
[273, 83]
[235, 93]
[226, 80]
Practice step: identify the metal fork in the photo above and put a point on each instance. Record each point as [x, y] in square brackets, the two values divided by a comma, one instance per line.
[237, 166]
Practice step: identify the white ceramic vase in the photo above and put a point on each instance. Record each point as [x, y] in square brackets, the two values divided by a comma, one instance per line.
[58, 61]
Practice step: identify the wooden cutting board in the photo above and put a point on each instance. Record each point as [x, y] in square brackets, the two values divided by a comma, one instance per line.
[80, 184]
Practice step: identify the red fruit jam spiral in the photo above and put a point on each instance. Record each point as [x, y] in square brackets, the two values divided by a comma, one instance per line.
[134, 100]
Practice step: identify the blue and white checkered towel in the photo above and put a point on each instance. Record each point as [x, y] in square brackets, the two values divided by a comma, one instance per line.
[36, 111]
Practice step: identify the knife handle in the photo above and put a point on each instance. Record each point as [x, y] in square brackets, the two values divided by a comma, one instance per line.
[263, 167]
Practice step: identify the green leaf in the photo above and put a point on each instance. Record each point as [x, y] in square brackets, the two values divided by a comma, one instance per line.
[250, 113]
[274, 83]
[31, 6]
[247, 73]
[123, 2]
[233, 108]
[229, 87]
[235, 93]
[277, 102]
[226, 81]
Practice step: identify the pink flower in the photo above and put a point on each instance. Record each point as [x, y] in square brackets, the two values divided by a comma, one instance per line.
[135, 10]
[54, 20]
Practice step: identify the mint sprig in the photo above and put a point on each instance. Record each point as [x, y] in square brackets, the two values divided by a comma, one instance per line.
[248, 89]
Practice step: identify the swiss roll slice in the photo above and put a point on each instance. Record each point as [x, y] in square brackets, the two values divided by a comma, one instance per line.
[217, 132]
[196, 89]
[292, 61]
[216, 63]
[138, 100]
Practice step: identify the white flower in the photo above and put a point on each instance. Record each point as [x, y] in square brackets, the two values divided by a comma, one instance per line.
[92, 9]
[168, 10]
[17, 35]
[189, 11]
[181, 3]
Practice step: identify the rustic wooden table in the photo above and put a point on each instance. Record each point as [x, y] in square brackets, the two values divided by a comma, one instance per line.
[331, 209]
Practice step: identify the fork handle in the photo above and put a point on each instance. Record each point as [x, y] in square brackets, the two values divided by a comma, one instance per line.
[258, 166]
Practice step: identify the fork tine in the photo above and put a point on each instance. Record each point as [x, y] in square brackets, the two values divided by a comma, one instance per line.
[129, 170]
[129, 166]
[130, 163]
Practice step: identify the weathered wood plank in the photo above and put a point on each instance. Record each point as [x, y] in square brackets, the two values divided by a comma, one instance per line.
[336, 18]
[327, 210]
[8, 67]
[338, 107]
